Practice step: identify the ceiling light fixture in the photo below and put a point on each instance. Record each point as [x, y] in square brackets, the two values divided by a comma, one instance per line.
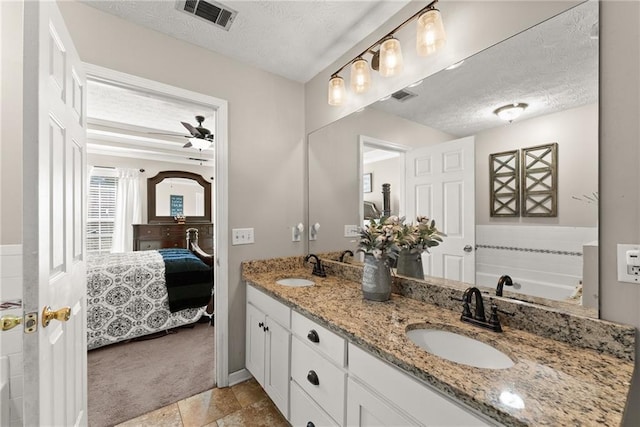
[387, 54]
[200, 143]
[510, 112]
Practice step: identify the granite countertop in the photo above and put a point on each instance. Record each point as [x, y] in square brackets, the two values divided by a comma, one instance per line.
[559, 384]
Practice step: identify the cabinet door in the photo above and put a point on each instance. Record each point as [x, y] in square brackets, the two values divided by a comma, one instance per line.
[255, 342]
[276, 373]
[364, 409]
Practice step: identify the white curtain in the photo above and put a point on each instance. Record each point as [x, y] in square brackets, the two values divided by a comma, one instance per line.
[128, 209]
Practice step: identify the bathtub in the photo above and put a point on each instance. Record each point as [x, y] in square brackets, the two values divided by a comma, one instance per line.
[540, 289]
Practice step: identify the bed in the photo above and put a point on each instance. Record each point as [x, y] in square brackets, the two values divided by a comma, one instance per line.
[133, 294]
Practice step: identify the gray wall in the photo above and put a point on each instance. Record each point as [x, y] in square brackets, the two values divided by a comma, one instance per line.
[620, 167]
[266, 133]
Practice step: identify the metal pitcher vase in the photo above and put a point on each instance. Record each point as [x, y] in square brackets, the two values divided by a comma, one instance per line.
[376, 278]
[410, 264]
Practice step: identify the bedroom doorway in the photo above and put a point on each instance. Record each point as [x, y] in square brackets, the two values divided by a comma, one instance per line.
[156, 142]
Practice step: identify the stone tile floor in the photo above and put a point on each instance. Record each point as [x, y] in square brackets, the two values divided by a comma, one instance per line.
[244, 404]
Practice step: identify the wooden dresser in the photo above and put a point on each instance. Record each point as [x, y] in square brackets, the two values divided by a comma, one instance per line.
[170, 235]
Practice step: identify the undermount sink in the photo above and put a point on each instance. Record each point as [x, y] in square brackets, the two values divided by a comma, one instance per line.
[459, 348]
[295, 282]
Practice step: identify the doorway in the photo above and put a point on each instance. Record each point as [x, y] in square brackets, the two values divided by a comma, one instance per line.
[210, 163]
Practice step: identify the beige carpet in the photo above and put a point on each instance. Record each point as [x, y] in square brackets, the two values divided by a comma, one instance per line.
[127, 380]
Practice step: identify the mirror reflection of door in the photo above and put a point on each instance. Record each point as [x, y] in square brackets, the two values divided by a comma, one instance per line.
[440, 182]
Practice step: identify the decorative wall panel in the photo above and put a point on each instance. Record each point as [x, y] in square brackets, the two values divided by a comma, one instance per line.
[504, 179]
[540, 181]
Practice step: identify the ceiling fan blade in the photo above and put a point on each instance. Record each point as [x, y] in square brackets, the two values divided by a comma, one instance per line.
[187, 145]
[195, 132]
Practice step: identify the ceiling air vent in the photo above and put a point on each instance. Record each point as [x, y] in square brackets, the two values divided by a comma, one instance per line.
[218, 14]
[403, 95]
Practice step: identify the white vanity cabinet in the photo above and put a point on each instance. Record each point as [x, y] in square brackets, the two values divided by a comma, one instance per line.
[268, 345]
[381, 394]
[318, 374]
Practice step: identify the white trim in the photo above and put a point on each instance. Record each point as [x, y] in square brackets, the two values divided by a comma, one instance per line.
[364, 140]
[239, 376]
[220, 223]
[10, 250]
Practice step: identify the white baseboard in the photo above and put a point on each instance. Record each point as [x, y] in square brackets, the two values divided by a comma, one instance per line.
[239, 376]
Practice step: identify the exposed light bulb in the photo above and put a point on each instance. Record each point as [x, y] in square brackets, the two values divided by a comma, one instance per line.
[337, 92]
[391, 62]
[360, 76]
[430, 35]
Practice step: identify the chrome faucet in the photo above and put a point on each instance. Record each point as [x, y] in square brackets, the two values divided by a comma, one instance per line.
[478, 318]
[318, 268]
[342, 255]
[502, 282]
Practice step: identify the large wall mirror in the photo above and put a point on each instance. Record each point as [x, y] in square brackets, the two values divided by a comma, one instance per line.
[447, 123]
[173, 193]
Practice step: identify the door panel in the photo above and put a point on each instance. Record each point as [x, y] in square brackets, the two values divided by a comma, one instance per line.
[441, 185]
[54, 188]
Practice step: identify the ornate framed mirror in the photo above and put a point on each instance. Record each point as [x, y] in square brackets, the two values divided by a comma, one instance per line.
[173, 193]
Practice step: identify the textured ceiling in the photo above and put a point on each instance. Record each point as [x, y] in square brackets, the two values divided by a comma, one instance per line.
[130, 123]
[294, 39]
[552, 67]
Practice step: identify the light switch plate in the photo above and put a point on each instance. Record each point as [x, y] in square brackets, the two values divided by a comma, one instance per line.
[242, 236]
[627, 273]
[351, 231]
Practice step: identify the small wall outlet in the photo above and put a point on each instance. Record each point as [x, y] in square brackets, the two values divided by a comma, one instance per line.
[242, 236]
[628, 263]
[351, 231]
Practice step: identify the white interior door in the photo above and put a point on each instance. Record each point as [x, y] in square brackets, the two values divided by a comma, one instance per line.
[54, 187]
[440, 185]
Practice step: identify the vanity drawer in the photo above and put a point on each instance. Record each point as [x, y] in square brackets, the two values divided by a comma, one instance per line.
[305, 412]
[319, 337]
[410, 395]
[329, 392]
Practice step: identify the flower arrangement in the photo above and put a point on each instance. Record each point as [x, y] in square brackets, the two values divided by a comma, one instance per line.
[386, 237]
[181, 219]
[379, 238]
[419, 237]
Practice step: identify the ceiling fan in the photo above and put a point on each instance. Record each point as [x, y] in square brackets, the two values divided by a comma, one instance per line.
[200, 137]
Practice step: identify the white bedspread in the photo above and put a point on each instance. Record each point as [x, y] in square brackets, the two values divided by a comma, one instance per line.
[127, 298]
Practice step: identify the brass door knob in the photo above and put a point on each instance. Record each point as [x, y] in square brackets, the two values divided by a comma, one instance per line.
[61, 315]
[10, 322]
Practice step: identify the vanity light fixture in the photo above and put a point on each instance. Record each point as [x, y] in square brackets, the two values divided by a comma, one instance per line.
[391, 62]
[337, 92]
[386, 54]
[430, 36]
[510, 112]
[360, 76]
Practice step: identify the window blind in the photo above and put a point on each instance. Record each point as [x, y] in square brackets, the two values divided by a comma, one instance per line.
[101, 212]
